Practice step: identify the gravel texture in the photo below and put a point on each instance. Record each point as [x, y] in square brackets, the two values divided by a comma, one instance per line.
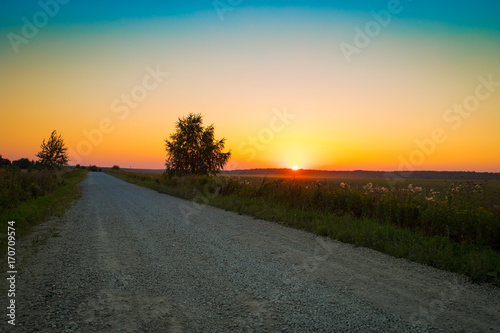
[128, 259]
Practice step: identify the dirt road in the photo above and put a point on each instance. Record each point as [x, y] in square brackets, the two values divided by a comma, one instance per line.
[128, 259]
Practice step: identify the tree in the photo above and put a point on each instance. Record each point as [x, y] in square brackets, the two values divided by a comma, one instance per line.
[23, 163]
[192, 149]
[53, 153]
[94, 168]
[4, 162]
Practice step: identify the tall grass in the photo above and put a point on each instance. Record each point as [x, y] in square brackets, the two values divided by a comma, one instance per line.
[18, 185]
[29, 198]
[462, 213]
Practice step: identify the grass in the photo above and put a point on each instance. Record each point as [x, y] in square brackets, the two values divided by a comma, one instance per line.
[450, 225]
[28, 210]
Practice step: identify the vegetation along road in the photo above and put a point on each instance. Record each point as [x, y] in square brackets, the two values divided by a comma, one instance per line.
[126, 258]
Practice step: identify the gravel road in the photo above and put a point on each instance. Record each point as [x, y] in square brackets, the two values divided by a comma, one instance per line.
[128, 259]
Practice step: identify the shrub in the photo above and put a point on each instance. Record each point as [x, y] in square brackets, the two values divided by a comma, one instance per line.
[23, 163]
[19, 185]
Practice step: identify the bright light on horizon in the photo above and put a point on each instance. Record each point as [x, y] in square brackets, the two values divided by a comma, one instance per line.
[274, 81]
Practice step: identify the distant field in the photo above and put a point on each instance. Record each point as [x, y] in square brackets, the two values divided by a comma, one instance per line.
[491, 188]
[342, 175]
[489, 196]
[363, 174]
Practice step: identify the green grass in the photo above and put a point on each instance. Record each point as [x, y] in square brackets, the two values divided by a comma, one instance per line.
[458, 230]
[33, 211]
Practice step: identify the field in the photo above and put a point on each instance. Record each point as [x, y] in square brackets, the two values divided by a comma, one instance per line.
[30, 197]
[462, 211]
[452, 225]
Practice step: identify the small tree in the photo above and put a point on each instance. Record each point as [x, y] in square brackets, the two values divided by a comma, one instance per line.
[53, 153]
[193, 149]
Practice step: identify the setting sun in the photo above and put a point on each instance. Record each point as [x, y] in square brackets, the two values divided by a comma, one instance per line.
[295, 168]
[313, 93]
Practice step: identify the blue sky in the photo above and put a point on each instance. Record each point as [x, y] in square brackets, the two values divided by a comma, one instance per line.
[359, 110]
[472, 14]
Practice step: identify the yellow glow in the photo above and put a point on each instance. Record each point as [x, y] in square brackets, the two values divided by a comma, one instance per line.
[376, 113]
[295, 168]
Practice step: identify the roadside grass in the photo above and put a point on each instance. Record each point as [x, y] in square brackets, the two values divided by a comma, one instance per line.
[32, 211]
[452, 225]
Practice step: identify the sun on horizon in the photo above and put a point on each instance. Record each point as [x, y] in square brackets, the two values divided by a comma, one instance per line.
[420, 93]
[295, 168]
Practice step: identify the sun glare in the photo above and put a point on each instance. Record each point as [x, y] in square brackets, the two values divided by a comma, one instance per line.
[295, 168]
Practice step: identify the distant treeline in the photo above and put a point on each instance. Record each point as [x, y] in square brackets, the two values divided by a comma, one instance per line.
[455, 175]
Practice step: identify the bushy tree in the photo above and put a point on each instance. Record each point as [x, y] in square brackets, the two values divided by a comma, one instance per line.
[53, 153]
[94, 168]
[4, 162]
[193, 149]
[23, 163]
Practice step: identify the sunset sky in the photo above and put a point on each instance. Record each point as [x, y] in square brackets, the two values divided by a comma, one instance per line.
[334, 85]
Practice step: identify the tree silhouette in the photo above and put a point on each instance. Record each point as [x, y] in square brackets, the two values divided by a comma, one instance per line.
[192, 149]
[23, 163]
[53, 153]
[4, 162]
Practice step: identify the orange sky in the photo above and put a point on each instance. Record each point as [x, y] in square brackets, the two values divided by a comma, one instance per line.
[273, 81]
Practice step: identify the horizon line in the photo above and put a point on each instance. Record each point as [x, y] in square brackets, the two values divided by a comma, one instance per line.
[320, 170]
